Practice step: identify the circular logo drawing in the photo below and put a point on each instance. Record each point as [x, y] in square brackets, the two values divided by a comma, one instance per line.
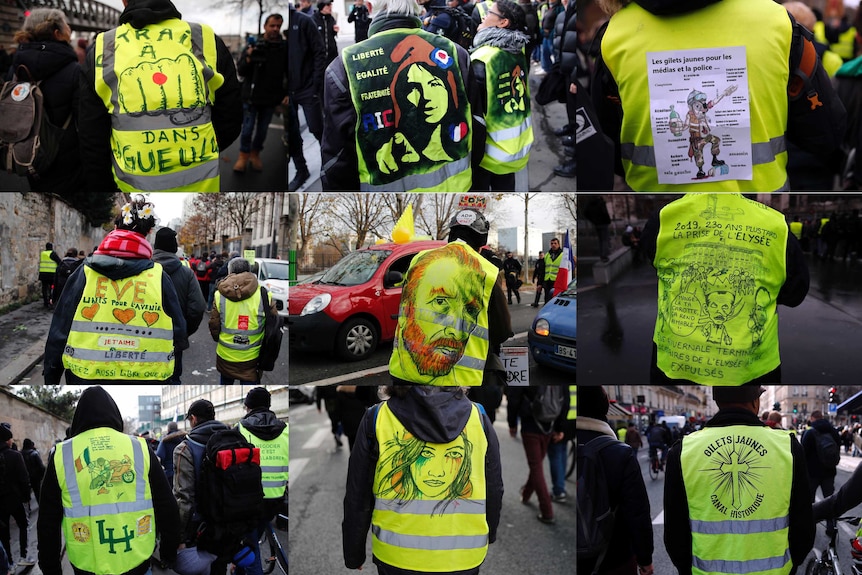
[465, 218]
[684, 314]
[20, 91]
[80, 532]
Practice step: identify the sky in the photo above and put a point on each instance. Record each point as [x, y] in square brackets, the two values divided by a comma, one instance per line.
[221, 20]
[126, 396]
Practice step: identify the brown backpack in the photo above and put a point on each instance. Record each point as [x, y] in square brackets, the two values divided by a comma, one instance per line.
[29, 142]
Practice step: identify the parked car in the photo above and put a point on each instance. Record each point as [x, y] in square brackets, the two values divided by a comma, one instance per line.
[302, 393]
[553, 335]
[273, 275]
[353, 307]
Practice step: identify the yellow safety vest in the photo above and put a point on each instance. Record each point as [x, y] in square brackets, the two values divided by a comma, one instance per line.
[552, 266]
[46, 264]
[274, 461]
[429, 498]
[434, 315]
[720, 260]
[158, 83]
[108, 519]
[482, 7]
[796, 229]
[728, 474]
[185, 263]
[633, 34]
[823, 222]
[845, 44]
[573, 402]
[242, 327]
[507, 120]
[621, 433]
[120, 331]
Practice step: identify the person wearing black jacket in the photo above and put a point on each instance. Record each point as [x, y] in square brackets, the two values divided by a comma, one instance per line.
[432, 415]
[539, 278]
[45, 55]
[632, 538]
[14, 495]
[819, 473]
[35, 467]
[737, 410]
[536, 436]
[565, 44]
[361, 20]
[96, 409]
[306, 62]
[327, 28]
[94, 121]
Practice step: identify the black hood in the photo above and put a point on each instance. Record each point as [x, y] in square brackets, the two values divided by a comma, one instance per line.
[433, 414]
[202, 432]
[169, 261]
[140, 13]
[822, 425]
[117, 268]
[263, 423]
[673, 7]
[95, 409]
[44, 59]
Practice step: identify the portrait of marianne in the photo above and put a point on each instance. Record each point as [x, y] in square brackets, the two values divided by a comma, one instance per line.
[416, 469]
[429, 112]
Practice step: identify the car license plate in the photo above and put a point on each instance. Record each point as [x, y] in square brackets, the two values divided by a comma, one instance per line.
[565, 351]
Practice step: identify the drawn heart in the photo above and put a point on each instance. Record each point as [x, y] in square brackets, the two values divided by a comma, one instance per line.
[124, 315]
[90, 312]
[150, 317]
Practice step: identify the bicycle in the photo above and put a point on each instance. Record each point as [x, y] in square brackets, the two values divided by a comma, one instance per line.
[272, 552]
[826, 562]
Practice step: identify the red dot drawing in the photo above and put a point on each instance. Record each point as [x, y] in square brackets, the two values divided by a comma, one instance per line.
[159, 78]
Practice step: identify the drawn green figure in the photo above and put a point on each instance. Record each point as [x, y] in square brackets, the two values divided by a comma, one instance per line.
[757, 317]
[720, 307]
[421, 470]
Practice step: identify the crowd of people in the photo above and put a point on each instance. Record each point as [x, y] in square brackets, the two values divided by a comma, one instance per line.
[674, 121]
[125, 312]
[208, 503]
[457, 118]
[704, 523]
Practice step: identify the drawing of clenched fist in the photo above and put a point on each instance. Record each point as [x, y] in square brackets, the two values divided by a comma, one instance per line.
[396, 150]
[172, 86]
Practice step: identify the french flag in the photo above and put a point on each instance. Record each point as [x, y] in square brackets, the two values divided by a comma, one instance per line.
[458, 131]
[567, 267]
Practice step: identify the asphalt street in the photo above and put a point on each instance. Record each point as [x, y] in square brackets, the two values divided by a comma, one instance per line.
[818, 340]
[318, 473]
[655, 491]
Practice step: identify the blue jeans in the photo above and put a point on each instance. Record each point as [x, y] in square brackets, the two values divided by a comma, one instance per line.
[256, 568]
[557, 459]
[230, 380]
[212, 294]
[547, 50]
[255, 119]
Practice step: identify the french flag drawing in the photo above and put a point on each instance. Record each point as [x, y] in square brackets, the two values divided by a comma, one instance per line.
[458, 131]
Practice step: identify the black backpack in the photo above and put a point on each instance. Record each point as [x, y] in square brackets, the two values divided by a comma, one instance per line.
[230, 495]
[463, 28]
[202, 266]
[65, 269]
[594, 512]
[272, 335]
[827, 450]
[29, 142]
[547, 404]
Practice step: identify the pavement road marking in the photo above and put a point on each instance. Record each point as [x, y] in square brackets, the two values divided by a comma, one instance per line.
[317, 439]
[296, 467]
[659, 519]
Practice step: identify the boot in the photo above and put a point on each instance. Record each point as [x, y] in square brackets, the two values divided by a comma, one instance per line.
[302, 174]
[256, 164]
[241, 162]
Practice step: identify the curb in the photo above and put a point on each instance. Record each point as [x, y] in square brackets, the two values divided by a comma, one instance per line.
[15, 371]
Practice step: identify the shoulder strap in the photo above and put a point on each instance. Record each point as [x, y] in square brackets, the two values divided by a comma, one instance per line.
[803, 66]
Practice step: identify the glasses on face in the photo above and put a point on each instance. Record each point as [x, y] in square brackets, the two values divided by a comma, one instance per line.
[500, 16]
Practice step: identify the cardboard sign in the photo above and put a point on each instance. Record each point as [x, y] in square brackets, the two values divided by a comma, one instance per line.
[475, 201]
[248, 255]
[517, 363]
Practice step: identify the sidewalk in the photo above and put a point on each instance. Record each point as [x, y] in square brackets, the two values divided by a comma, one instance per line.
[848, 463]
[22, 340]
[32, 545]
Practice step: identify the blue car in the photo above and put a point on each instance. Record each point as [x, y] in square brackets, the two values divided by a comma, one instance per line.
[553, 335]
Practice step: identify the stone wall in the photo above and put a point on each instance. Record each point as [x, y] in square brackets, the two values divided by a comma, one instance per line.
[27, 221]
[27, 420]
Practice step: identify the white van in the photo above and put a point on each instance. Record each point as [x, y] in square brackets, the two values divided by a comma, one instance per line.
[273, 275]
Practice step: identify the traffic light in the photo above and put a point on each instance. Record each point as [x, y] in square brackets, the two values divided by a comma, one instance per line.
[832, 398]
[795, 408]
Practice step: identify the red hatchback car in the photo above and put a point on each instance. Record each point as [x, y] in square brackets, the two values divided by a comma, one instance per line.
[354, 305]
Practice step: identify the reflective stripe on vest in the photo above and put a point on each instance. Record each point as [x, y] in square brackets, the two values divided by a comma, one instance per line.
[46, 264]
[442, 332]
[482, 7]
[767, 54]
[242, 327]
[429, 511]
[274, 461]
[120, 331]
[413, 118]
[507, 117]
[552, 266]
[158, 83]
[108, 517]
[573, 402]
[728, 474]
[720, 259]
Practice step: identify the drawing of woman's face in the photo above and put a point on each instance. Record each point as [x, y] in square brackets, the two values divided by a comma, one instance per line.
[437, 466]
[428, 93]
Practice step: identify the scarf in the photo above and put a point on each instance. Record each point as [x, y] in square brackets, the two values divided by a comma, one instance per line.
[125, 244]
[590, 424]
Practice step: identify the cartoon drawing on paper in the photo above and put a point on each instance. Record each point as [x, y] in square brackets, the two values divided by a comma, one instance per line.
[700, 132]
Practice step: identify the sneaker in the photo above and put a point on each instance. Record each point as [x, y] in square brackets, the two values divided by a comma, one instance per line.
[524, 501]
[300, 178]
[568, 141]
[26, 562]
[338, 441]
[564, 131]
[548, 520]
[561, 498]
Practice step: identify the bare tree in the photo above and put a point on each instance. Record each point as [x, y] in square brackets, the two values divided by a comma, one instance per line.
[239, 207]
[360, 215]
[208, 208]
[310, 218]
[569, 211]
[436, 213]
[239, 7]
